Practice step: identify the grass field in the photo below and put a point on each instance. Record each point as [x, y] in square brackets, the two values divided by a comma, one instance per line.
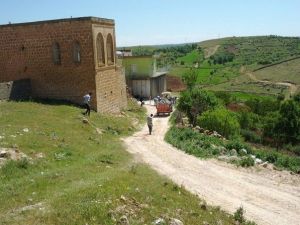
[84, 177]
[284, 72]
[190, 58]
[244, 84]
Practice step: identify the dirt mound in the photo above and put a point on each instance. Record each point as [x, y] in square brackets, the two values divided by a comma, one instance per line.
[175, 84]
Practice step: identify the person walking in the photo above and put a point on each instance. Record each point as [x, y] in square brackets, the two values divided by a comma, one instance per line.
[86, 103]
[150, 123]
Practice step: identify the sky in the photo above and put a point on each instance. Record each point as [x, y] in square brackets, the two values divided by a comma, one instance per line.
[149, 22]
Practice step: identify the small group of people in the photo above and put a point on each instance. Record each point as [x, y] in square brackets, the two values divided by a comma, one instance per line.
[87, 106]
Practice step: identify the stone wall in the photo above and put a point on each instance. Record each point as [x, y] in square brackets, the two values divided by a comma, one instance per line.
[111, 90]
[27, 53]
[15, 90]
[111, 93]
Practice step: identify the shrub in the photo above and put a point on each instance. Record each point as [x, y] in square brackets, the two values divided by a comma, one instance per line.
[239, 215]
[248, 120]
[193, 142]
[247, 162]
[251, 136]
[224, 96]
[194, 102]
[221, 120]
[238, 145]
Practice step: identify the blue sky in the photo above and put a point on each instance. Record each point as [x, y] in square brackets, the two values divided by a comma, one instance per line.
[141, 22]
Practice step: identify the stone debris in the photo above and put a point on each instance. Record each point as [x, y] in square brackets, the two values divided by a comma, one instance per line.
[39, 206]
[243, 151]
[39, 155]
[208, 132]
[11, 154]
[258, 161]
[3, 154]
[175, 222]
[233, 152]
[85, 120]
[159, 221]
[26, 130]
[123, 220]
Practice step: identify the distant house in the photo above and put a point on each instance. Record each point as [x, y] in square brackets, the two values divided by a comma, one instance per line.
[125, 52]
[143, 77]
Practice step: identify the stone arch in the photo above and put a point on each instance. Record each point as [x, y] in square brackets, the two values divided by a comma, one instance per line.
[76, 52]
[110, 49]
[100, 50]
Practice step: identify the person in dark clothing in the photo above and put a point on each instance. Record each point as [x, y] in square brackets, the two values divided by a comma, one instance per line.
[150, 123]
[86, 103]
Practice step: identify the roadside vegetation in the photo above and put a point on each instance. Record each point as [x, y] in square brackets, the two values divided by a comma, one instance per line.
[79, 173]
[257, 128]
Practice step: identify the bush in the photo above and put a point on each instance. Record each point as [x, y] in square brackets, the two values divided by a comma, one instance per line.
[221, 120]
[251, 136]
[262, 106]
[238, 145]
[194, 102]
[193, 142]
[293, 148]
[247, 162]
[239, 215]
[248, 120]
[224, 96]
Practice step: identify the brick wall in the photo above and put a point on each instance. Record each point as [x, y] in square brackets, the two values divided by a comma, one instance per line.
[26, 53]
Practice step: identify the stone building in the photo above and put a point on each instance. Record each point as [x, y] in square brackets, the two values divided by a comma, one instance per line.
[65, 59]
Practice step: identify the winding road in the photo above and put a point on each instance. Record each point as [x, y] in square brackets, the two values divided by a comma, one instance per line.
[269, 197]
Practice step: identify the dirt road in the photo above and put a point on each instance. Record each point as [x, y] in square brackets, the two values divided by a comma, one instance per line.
[269, 197]
[292, 87]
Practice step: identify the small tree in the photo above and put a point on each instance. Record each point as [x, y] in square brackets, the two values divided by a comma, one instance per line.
[193, 102]
[289, 122]
[221, 120]
[190, 78]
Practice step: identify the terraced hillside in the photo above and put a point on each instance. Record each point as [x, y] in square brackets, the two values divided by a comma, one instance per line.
[283, 72]
[225, 64]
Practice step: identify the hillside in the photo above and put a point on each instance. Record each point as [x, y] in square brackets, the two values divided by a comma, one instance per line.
[284, 72]
[79, 173]
[224, 64]
[228, 62]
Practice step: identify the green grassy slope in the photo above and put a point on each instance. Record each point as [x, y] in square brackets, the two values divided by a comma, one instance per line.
[84, 177]
[284, 72]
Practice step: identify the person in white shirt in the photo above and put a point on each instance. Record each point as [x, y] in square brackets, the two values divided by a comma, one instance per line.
[86, 103]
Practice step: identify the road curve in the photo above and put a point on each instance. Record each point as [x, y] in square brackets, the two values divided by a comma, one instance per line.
[269, 197]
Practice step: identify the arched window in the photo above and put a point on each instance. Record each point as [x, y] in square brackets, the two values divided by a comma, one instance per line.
[56, 53]
[100, 50]
[110, 49]
[76, 52]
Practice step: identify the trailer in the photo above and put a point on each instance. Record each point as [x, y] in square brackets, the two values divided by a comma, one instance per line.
[163, 108]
